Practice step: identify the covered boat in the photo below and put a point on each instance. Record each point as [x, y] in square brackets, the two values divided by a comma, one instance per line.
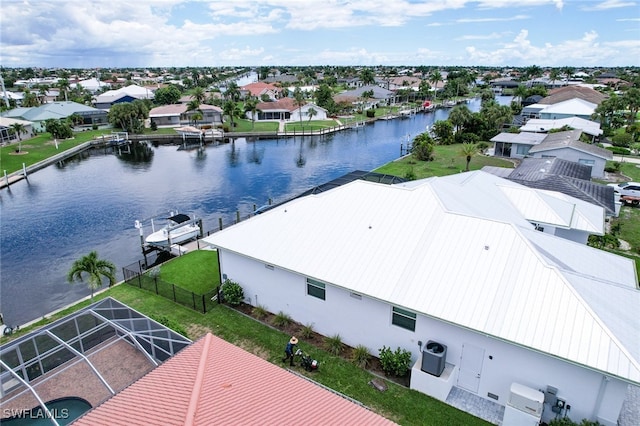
[179, 228]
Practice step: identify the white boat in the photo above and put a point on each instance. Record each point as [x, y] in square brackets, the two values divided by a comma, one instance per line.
[189, 131]
[179, 228]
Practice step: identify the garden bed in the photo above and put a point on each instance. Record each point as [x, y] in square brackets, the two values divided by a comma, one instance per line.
[319, 342]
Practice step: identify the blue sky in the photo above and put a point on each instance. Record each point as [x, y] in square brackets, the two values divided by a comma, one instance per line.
[177, 33]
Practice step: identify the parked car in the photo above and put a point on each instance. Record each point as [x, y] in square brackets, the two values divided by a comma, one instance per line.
[629, 191]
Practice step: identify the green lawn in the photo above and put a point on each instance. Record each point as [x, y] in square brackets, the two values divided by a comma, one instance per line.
[400, 404]
[307, 125]
[447, 161]
[196, 271]
[243, 125]
[40, 148]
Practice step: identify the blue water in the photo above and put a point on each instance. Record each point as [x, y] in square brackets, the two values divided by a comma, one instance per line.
[92, 201]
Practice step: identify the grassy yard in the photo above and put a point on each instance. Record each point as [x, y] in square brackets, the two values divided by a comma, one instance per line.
[447, 161]
[196, 271]
[243, 125]
[307, 125]
[400, 404]
[40, 148]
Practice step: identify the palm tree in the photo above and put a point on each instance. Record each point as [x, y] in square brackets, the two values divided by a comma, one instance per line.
[232, 92]
[95, 268]
[312, 112]
[553, 75]
[251, 105]
[520, 93]
[459, 116]
[64, 86]
[367, 77]
[299, 97]
[468, 150]
[434, 78]
[199, 94]
[232, 110]
[19, 129]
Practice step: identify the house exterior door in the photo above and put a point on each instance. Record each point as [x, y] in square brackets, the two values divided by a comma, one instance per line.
[470, 367]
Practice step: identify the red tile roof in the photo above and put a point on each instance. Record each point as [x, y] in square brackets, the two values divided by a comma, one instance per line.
[259, 87]
[284, 104]
[213, 382]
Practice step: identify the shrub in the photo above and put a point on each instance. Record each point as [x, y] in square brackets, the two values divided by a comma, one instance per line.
[154, 125]
[94, 127]
[259, 312]
[333, 344]
[622, 140]
[613, 167]
[395, 363]
[410, 174]
[619, 150]
[281, 319]
[361, 356]
[307, 331]
[169, 323]
[232, 293]
[371, 113]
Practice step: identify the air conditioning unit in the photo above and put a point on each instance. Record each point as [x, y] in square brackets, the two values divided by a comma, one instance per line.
[434, 356]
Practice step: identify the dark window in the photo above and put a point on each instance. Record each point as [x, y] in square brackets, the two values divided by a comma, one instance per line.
[403, 318]
[315, 289]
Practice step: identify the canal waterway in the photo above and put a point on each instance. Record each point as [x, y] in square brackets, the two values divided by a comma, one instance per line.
[92, 201]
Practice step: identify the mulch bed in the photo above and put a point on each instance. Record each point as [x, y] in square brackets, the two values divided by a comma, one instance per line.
[318, 341]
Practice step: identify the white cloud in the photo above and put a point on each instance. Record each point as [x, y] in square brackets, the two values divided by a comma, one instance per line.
[609, 4]
[508, 19]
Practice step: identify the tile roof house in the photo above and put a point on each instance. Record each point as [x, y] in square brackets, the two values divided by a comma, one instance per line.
[260, 89]
[288, 110]
[176, 115]
[213, 382]
[381, 96]
[566, 145]
[572, 92]
[456, 260]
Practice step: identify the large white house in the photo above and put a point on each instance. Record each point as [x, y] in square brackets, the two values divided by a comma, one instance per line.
[455, 260]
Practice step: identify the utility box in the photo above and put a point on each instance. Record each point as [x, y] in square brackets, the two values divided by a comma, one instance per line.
[434, 356]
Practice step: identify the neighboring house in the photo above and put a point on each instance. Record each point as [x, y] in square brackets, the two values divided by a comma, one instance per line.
[213, 382]
[175, 115]
[92, 84]
[89, 355]
[381, 97]
[591, 128]
[16, 97]
[404, 82]
[575, 107]
[566, 145]
[556, 174]
[57, 110]
[567, 109]
[288, 110]
[515, 145]
[126, 94]
[452, 260]
[572, 92]
[260, 90]
[7, 135]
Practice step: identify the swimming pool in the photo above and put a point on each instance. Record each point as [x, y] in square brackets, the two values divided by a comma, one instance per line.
[63, 410]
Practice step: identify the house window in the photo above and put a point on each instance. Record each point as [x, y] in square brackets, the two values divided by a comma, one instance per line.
[587, 162]
[523, 149]
[403, 318]
[315, 288]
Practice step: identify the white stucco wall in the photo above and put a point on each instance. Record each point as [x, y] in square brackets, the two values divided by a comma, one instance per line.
[367, 322]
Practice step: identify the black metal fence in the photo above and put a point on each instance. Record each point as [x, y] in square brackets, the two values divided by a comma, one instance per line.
[198, 302]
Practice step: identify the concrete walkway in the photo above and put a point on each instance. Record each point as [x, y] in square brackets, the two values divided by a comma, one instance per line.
[623, 159]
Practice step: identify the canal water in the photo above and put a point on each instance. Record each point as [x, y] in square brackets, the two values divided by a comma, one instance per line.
[92, 201]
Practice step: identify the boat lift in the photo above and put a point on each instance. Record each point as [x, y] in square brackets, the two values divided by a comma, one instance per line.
[152, 222]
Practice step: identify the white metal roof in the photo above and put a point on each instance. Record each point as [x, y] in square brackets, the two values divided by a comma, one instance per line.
[544, 125]
[575, 106]
[439, 251]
